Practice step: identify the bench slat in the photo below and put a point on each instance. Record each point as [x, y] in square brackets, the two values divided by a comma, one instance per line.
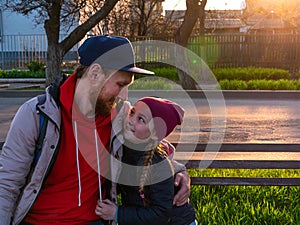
[245, 181]
[237, 147]
[228, 147]
[270, 156]
[239, 156]
[242, 164]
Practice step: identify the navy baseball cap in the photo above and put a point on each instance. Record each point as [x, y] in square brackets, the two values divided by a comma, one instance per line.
[111, 52]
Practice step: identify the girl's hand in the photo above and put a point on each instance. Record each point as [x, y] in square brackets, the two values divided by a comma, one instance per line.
[106, 209]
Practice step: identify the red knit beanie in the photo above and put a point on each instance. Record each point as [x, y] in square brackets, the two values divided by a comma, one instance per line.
[166, 115]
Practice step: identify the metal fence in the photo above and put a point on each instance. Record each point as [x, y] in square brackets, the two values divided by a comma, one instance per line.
[242, 50]
[218, 51]
[16, 51]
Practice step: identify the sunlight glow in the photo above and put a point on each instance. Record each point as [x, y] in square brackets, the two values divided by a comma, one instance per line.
[211, 4]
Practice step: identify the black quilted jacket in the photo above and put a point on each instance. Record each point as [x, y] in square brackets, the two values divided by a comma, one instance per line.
[159, 194]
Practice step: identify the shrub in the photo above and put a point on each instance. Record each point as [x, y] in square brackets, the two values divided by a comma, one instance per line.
[251, 73]
[297, 84]
[233, 85]
[271, 85]
[150, 84]
[168, 73]
[260, 85]
[21, 74]
[285, 85]
[296, 75]
[35, 66]
[3, 74]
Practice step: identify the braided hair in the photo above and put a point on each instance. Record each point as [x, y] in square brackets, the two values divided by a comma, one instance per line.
[148, 156]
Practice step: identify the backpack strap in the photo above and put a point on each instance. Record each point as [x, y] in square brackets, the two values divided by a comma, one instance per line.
[42, 130]
[54, 91]
[54, 88]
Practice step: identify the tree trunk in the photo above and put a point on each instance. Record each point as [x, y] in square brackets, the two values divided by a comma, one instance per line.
[202, 21]
[57, 50]
[182, 35]
[54, 61]
[52, 28]
[52, 12]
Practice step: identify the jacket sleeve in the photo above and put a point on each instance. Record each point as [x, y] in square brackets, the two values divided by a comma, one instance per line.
[161, 193]
[16, 158]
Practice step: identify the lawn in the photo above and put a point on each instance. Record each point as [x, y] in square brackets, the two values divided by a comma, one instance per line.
[270, 205]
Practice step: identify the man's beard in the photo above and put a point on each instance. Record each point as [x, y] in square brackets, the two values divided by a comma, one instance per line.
[103, 108]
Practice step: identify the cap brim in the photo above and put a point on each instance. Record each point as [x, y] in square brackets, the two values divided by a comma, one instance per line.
[138, 70]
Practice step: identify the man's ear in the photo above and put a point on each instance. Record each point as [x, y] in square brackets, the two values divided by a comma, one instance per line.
[95, 72]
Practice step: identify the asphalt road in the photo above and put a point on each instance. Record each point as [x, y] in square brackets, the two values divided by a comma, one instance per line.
[231, 121]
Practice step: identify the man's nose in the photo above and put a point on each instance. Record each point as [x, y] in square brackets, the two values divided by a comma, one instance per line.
[123, 94]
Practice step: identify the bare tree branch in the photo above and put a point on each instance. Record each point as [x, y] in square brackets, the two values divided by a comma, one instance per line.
[59, 15]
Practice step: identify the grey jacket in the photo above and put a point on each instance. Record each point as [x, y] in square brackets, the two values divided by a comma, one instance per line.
[19, 186]
[17, 156]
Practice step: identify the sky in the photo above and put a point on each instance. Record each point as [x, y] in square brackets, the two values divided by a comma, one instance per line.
[211, 4]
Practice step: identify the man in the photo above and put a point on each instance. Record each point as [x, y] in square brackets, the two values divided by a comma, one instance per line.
[69, 176]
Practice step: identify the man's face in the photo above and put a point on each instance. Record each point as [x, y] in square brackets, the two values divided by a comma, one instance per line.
[111, 89]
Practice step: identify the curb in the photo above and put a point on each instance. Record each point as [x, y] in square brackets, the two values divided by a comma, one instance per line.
[217, 94]
[20, 93]
[22, 80]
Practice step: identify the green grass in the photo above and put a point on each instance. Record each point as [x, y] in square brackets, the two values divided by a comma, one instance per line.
[246, 204]
[21, 74]
[249, 78]
[154, 83]
[251, 73]
[280, 84]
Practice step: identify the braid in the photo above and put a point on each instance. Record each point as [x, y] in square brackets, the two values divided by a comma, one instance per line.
[148, 156]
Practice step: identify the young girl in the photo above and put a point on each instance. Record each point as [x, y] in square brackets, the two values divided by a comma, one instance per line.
[146, 180]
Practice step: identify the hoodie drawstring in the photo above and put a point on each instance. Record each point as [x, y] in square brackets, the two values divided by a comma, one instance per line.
[78, 166]
[98, 165]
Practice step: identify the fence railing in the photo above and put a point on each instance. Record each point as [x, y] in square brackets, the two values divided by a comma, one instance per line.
[240, 50]
[16, 51]
[218, 50]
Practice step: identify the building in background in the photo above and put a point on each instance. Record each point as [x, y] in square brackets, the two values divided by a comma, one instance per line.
[216, 21]
[272, 23]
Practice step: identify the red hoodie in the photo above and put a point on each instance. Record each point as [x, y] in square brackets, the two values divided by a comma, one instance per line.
[70, 193]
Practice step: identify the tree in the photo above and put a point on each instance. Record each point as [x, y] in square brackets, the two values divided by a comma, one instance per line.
[147, 13]
[58, 15]
[194, 11]
[133, 18]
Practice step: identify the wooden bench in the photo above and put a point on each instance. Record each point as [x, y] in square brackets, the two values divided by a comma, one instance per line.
[239, 156]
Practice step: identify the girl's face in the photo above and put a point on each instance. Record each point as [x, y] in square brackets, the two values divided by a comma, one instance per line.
[138, 125]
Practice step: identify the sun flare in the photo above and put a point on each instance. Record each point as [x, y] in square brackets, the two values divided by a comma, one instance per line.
[211, 4]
